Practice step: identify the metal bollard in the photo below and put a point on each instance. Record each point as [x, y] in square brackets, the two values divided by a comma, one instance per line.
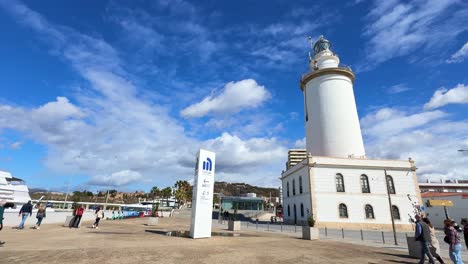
[295, 230]
[326, 232]
[247, 225]
[342, 233]
[383, 237]
[362, 236]
[268, 226]
[256, 224]
[281, 227]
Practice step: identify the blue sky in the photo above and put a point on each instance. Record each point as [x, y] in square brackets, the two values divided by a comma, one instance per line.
[122, 94]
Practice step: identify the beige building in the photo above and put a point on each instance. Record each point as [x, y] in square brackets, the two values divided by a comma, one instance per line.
[295, 156]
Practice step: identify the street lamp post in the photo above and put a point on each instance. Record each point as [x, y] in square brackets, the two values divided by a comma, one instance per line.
[68, 186]
[68, 190]
[391, 209]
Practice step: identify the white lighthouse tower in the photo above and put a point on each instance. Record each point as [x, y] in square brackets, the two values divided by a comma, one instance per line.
[332, 123]
[333, 181]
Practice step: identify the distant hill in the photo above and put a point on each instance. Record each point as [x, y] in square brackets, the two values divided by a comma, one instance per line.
[37, 190]
[236, 189]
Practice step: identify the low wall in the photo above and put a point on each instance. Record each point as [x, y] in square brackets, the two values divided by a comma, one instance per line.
[12, 218]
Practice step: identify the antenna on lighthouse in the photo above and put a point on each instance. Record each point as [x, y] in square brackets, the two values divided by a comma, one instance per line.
[312, 46]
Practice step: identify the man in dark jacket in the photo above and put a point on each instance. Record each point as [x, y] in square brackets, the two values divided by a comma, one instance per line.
[26, 210]
[2, 208]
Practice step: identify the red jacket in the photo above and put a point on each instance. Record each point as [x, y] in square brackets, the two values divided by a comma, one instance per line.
[79, 211]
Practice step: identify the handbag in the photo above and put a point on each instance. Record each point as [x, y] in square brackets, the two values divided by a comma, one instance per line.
[447, 240]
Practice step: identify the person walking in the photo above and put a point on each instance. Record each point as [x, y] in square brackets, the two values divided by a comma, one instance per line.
[435, 248]
[25, 210]
[77, 219]
[453, 239]
[464, 222]
[99, 215]
[41, 214]
[423, 235]
[2, 210]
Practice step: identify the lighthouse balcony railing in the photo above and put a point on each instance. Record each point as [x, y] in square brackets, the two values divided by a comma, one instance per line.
[340, 66]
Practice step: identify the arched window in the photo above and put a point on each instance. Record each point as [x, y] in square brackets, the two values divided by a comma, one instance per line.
[396, 212]
[289, 210]
[365, 184]
[339, 183]
[343, 209]
[300, 184]
[369, 211]
[302, 210]
[390, 185]
[287, 189]
[294, 187]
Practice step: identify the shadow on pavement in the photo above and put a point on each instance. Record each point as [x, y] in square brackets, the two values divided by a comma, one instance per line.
[397, 255]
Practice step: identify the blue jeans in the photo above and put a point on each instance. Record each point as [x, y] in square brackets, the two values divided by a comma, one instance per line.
[455, 254]
[39, 221]
[425, 250]
[23, 219]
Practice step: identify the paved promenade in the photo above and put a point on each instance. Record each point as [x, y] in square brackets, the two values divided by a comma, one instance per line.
[128, 241]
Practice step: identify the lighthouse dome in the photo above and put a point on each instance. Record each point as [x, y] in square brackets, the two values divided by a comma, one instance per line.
[321, 45]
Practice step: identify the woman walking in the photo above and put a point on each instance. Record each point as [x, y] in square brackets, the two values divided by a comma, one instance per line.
[453, 239]
[435, 248]
[41, 214]
[99, 215]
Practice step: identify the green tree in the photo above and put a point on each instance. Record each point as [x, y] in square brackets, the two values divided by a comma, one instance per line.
[166, 194]
[155, 192]
[183, 192]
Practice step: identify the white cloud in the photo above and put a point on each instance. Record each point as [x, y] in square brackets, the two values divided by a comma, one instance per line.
[390, 122]
[399, 28]
[460, 55]
[237, 155]
[235, 97]
[398, 88]
[15, 145]
[427, 137]
[109, 130]
[441, 97]
[300, 143]
[116, 179]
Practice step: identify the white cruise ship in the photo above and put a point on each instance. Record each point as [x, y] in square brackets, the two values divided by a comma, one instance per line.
[13, 189]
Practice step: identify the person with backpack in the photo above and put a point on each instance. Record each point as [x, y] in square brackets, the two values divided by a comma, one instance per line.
[99, 215]
[423, 235]
[453, 239]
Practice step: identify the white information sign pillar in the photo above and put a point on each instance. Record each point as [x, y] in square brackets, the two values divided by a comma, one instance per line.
[202, 197]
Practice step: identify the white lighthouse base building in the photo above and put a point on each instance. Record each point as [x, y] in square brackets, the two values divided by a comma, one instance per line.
[350, 193]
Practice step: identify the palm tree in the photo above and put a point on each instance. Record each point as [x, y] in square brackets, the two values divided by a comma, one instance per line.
[183, 192]
[155, 192]
[166, 193]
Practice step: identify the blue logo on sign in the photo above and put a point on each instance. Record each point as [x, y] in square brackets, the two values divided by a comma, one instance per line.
[207, 165]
